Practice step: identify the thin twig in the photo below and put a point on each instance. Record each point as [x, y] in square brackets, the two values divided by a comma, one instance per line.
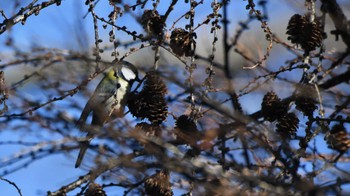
[13, 184]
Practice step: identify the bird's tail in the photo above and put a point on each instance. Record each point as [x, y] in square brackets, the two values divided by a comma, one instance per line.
[84, 145]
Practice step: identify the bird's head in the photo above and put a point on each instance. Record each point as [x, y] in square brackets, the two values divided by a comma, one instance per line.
[125, 70]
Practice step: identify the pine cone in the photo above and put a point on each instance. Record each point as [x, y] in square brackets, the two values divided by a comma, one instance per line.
[295, 28]
[153, 92]
[181, 41]
[272, 107]
[287, 125]
[186, 124]
[313, 36]
[135, 104]
[154, 83]
[306, 99]
[186, 131]
[150, 103]
[95, 190]
[158, 109]
[301, 31]
[306, 105]
[152, 22]
[149, 129]
[337, 138]
[159, 184]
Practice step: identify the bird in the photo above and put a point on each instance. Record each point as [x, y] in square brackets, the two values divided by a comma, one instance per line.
[108, 100]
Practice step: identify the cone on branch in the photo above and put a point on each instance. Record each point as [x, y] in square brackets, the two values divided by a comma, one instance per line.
[158, 184]
[150, 103]
[305, 100]
[152, 22]
[272, 107]
[182, 42]
[136, 105]
[337, 138]
[95, 190]
[186, 131]
[295, 28]
[287, 125]
[149, 129]
[306, 105]
[301, 31]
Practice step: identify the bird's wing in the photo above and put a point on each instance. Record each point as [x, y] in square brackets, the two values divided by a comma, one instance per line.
[102, 93]
[105, 90]
[85, 113]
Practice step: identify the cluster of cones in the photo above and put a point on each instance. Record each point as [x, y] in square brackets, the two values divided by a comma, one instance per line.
[274, 109]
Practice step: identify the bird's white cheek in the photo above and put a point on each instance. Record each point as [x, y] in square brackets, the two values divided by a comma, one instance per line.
[128, 73]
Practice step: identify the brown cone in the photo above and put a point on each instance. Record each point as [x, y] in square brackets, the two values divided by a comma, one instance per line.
[149, 129]
[186, 131]
[181, 41]
[135, 105]
[150, 103]
[295, 28]
[313, 36]
[305, 100]
[152, 22]
[95, 190]
[306, 105]
[272, 107]
[305, 33]
[159, 184]
[287, 125]
[337, 138]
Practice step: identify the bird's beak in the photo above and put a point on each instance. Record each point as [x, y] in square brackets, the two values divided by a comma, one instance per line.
[137, 79]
